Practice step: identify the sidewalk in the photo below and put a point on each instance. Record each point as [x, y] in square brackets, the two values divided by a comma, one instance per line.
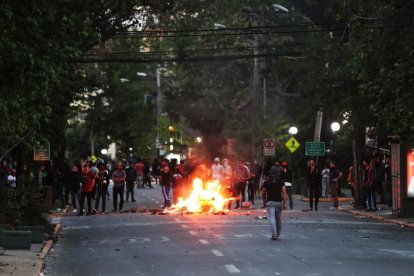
[29, 262]
[384, 213]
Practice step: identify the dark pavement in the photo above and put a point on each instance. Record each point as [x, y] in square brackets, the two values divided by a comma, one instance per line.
[327, 242]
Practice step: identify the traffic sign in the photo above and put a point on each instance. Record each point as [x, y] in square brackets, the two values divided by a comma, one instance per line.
[41, 152]
[292, 144]
[315, 148]
[269, 146]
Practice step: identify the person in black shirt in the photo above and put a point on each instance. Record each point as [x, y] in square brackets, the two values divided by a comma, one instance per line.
[275, 191]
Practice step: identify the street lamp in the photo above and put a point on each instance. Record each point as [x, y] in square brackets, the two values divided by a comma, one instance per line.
[278, 7]
[293, 131]
[335, 127]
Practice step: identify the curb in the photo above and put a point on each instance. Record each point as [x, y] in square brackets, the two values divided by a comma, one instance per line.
[46, 249]
[379, 218]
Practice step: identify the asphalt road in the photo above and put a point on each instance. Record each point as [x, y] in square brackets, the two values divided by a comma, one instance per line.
[327, 242]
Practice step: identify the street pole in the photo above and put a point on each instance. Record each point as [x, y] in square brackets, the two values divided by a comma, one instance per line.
[157, 140]
[255, 83]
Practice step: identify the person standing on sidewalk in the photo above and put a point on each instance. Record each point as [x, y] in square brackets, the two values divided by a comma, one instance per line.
[334, 176]
[275, 191]
[131, 176]
[369, 183]
[118, 177]
[286, 177]
[325, 181]
[314, 180]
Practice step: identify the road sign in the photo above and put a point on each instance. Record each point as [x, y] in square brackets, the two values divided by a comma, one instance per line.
[292, 144]
[41, 152]
[315, 148]
[269, 146]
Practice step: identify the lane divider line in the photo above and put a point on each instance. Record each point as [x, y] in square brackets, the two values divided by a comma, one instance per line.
[232, 268]
[203, 241]
[217, 253]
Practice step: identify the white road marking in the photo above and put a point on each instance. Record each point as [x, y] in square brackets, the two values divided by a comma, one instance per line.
[232, 268]
[194, 233]
[56, 220]
[184, 226]
[204, 241]
[164, 239]
[157, 202]
[217, 253]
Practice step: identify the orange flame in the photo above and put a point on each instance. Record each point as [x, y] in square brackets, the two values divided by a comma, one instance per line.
[204, 197]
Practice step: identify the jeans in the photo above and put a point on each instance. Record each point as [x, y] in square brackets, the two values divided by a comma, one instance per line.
[166, 194]
[115, 192]
[58, 194]
[101, 192]
[313, 192]
[325, 186]
[334, 191]
[130, 190]
[274, 214]
[88, 196]
[372, 199]
[289, 190]
[74, 195]
[240, 187]
[251, 191]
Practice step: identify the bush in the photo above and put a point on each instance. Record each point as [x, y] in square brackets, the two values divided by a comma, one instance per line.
[22, 207]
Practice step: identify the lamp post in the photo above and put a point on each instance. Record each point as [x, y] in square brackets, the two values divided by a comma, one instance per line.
[278, 7]
[293, 131]
[335, 127]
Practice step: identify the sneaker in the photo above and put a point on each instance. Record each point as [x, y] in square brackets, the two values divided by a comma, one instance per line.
[274, 237]
[133, 200]
[74, 211]
[94, 211]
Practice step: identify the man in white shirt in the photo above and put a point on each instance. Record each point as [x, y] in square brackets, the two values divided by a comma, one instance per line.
[216, 169]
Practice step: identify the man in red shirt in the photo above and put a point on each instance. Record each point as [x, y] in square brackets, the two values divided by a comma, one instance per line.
[139, 167]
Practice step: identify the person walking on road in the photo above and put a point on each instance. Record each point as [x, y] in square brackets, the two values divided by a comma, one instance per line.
[118, 177]
[275, 191]
[334, 176]
[313, 184]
